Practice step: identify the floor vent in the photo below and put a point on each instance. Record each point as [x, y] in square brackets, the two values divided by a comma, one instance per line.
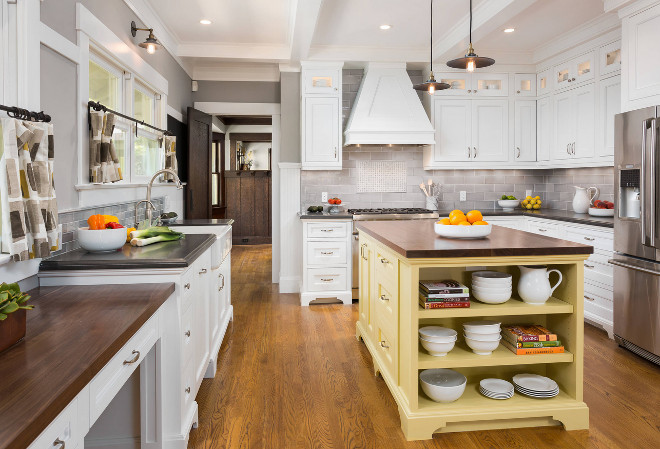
[637, 350]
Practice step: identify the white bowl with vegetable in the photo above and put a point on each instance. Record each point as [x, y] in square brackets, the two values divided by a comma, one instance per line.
[101, 240]
[508, 204]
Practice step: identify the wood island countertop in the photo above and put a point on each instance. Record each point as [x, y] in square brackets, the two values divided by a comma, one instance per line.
[72, 333]
[415, 239]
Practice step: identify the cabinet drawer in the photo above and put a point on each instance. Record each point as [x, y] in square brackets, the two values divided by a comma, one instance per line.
[328, 253]
[327, 230]
[387, 269]
[596, 271]
[327, 279]
[62, 431]
[600, 240]
[186, 288]
[188, 387]
[599, 311]
[388, 351]
[543, 228]
[107, 383]
[187, 345]
[387, 307]
[598, 295]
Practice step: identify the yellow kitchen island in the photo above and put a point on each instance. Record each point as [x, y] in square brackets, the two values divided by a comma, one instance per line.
[396, 255]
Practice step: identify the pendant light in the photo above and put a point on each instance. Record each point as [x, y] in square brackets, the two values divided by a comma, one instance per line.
[471, 61]
[431, 85]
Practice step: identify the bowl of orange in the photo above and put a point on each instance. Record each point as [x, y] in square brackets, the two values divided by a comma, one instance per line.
[459, 225]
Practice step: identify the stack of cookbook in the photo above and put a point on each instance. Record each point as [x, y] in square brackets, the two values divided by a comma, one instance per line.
[528, 339]
[448, 294]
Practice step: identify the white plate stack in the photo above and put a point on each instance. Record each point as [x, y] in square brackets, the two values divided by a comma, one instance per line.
[492, 287]
[535, 386]
[496, 388]
[483, 337]
[437, 341]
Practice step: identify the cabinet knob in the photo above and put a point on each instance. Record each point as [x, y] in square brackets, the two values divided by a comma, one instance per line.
[187, 390]
[384, 344]
[573, 79]
[134, 359]
[475, 91]
[187, 333]
[589, 298]
[384, 298]
[59, 443]
[202, 271]
[469, 153]
[222, 276]
[187, 286]
[589, 239]
[475, 151]
[384, 261]
[518, 92]
[469, 91]
[518, 148]
[588, 266]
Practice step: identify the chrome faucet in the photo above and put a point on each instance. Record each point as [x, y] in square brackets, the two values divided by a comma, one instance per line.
[150, 206]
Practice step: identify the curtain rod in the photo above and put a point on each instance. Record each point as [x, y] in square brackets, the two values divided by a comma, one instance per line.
[24, 114]
[99, 107]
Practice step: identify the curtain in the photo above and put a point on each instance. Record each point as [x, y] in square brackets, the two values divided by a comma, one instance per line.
[103, 161]
[29, 204]
[170, 157]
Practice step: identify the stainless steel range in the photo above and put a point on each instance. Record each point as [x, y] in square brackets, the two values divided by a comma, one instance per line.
[411, 213]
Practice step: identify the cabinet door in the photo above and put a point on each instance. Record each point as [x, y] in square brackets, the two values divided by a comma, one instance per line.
[583, 68]
[544, 82]
[460, 83]
[641, 34]
[563, 123]
[452, 122]
[321, 81]
[584, 100]
[490, 84]
[610, 58]
[366, 285]
[524, 84]
[563, 74]
[609, 106]
[544, 120]
[525, 131]
[321, 118]
[201, 296]
[490, 131]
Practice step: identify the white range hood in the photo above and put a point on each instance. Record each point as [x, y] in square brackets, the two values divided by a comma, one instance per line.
[387, 110]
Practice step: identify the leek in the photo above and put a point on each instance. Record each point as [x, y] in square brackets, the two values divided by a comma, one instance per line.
[154, 234]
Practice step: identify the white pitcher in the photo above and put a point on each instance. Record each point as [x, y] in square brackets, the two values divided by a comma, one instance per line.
[584, 198]
[534, 284]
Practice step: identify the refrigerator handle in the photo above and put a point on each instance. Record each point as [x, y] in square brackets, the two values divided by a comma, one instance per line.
[618, 263]
[643, 182]
[654, 137]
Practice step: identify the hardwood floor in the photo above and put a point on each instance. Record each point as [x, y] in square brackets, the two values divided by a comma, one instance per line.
[294, 377]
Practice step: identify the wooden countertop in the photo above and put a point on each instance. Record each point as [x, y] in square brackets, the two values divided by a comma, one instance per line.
[417, 239]
[72, 333]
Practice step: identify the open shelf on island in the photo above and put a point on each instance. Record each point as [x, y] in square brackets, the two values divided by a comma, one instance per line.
[462, 356]
[514, 306]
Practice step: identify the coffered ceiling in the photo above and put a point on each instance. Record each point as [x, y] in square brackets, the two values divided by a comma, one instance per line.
[250, 39]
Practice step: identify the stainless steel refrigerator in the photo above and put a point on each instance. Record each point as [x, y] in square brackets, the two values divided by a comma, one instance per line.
[637, 232]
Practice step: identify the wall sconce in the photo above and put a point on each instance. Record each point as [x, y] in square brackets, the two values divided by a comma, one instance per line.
[151, 43]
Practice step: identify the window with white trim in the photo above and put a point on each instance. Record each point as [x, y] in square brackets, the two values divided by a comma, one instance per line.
[138, 147]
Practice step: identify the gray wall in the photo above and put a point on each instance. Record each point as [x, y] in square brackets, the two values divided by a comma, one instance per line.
[238, 91]
[60, 15]
[290, 124]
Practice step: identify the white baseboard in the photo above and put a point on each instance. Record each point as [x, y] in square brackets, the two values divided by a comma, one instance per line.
[290, 284]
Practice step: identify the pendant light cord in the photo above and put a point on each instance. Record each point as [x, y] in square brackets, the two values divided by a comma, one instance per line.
[470, 21]
[432, 36]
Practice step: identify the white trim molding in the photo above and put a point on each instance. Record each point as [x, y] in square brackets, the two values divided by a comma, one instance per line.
[59, 44]
[290, 275]
[222, 108]
[174, 113]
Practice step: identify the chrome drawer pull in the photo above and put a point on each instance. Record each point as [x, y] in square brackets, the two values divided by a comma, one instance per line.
[187, 286]
[187, 333]
[384, 345]
[134, 359]
[222, 276]
[384, 298]
[589, 239]
[59, 443]
[589, 298]
[588, 266]
[202, 271]
[327, 230]
[384, 261]
[327, 253]
[187, 390]
[543, 230]
[327, 280]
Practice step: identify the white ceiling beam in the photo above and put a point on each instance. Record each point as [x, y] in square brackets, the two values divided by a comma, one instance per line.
[235, 72]
[487, 17]
[236, 52]
[305, 16]
[366, 54]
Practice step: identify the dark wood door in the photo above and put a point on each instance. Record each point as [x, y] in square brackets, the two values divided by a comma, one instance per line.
[248, 195]
[198, 190]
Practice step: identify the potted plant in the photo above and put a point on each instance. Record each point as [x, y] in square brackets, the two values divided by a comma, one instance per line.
[13, 315]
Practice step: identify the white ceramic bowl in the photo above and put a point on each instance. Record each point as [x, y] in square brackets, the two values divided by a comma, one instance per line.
[492, 296]
[463, 232]
[482, 347]
[437, 349]
[493, 336]
[101, 240]
[442, 385]
[491, 276]
[601, 212]
[482, 327]
[508, 204]
[488, 284]
[437, 334]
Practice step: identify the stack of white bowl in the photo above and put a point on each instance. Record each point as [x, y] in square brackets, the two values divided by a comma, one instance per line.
[483, 337]
[442, 385]
[437, 341]
[492, 287]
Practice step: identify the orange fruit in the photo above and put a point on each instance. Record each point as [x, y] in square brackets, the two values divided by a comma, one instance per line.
[455, 212]
[456, 219]
[473, 216]
[480, 223]
[464, 223]
[445, 221]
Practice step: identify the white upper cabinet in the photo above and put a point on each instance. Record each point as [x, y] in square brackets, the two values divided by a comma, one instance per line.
[452, 120]
[525, 131]
[544, 84]
[609, 104]
[460, 83]
[490, 131]
[474, 84]
[574, 119]
[563, 118]
[574, 71]
[322, 81]
[610, 58]
[544, 129]
[585, 121]
[641, 64]
[524, 84]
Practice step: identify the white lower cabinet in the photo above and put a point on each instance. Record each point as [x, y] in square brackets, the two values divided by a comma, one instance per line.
[327, 261]
[67, 430]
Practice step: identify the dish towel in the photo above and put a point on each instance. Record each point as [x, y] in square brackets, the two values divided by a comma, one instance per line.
[27, 190]
[103, 161]
[170, 157]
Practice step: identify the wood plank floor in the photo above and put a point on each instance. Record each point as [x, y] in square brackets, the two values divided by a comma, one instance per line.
[294, 377]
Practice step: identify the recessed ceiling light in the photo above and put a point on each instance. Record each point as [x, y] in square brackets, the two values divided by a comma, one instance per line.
[385, 27]
[509, 30]
[205, 22]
